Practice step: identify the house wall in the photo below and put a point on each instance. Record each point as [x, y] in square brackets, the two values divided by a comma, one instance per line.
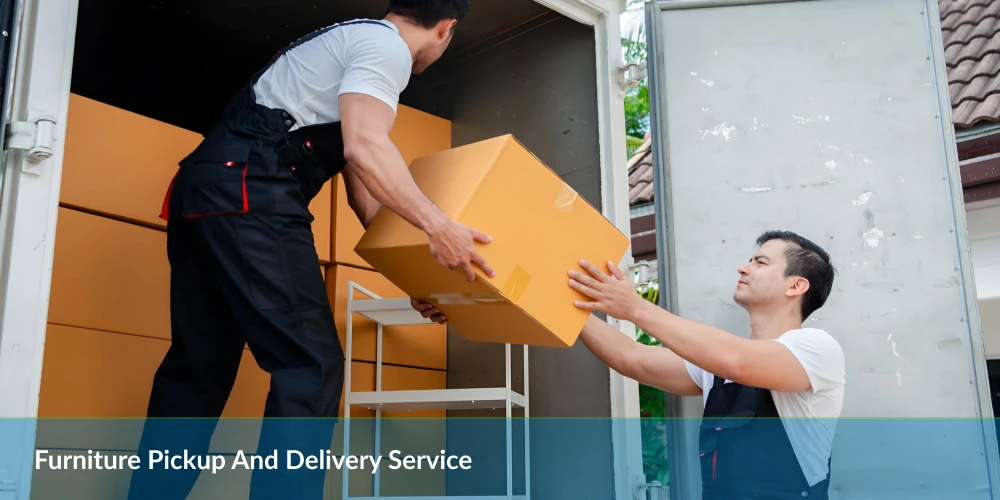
[984, 236]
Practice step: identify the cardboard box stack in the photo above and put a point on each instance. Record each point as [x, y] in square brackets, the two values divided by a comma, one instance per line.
[109, 323]
[540, 226]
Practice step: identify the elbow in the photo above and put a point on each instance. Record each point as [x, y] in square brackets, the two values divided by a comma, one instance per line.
[630, 363]
[358, 152]
[736, 368]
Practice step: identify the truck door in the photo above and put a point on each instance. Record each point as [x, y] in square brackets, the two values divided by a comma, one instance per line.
[37, 44]
[830, 118]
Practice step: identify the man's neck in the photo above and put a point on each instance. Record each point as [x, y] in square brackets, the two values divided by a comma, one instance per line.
[412, 35]
[769, 325]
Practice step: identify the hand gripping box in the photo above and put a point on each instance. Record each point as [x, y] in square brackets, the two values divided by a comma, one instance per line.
[540, 226]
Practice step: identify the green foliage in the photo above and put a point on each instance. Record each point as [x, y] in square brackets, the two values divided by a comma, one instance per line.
[636, 98]
[652, 411]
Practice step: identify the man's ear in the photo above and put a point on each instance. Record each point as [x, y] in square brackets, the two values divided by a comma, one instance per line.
[798, 287]
[444, 28]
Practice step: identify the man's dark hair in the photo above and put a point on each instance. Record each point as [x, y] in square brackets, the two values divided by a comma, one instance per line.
[808, 260]
[427, 13]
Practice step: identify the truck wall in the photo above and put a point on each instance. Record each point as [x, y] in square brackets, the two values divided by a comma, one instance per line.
[842, 135]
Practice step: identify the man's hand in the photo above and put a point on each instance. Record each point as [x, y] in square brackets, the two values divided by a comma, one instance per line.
[454, 246]
[429, 311]
[613, 295]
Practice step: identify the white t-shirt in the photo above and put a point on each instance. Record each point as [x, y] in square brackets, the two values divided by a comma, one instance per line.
[809, 417]
[352, 58]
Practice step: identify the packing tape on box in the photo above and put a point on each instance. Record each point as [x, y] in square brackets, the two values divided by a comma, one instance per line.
[517, 283]
[565, 199]
[465, 299]
[512, 290]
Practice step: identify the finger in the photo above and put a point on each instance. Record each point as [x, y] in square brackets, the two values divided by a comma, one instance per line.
[615, 271]
[590, 306]
[470, 273]
[595, 272]
[440, 319]
[481, 237]
[584, 279]
[481, 262]
[589, 292]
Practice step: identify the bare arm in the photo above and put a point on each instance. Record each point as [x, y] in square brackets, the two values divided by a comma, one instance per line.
[374, 161]
[649, 365]
[757, 363]
[359, 199]
[376, 164]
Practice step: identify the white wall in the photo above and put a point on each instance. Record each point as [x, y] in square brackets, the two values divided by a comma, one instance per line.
[984, 234]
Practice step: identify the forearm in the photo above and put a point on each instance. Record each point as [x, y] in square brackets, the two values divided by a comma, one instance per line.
[358, 198]
[384, 173]
[710, 348]
[648, 365]
[608, 344]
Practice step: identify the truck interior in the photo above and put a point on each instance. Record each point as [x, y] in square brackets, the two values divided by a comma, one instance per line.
[150, 77]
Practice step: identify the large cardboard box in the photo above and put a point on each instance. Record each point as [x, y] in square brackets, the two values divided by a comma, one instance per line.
[540, 227]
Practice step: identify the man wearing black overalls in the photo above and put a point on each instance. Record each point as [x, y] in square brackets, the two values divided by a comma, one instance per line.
[771, 401]
[244, 269]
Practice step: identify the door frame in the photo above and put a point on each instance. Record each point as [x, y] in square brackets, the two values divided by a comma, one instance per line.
[604, 17]
[43, 41]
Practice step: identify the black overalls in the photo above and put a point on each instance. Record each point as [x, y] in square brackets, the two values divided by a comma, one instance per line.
[745, 451]
[244, 270]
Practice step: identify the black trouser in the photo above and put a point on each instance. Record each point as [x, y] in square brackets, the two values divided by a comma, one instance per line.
[241, 279]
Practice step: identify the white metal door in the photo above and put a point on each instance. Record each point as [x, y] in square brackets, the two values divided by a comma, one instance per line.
[40, 62]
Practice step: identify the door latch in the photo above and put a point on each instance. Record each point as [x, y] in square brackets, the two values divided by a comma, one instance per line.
[34, 137]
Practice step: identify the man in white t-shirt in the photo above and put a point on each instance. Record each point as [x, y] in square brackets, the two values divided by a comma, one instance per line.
[771, 401]
[244, 268]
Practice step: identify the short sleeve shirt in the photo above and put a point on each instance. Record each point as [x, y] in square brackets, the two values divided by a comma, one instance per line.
[809, 417]
[367, 57]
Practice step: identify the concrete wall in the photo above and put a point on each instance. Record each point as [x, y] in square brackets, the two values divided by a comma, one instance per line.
[540, 85]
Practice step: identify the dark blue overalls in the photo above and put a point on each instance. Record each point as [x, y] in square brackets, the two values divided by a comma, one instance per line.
[244, 270]
[745, 450]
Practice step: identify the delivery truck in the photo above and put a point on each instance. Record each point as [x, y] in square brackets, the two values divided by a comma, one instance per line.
[752, 102]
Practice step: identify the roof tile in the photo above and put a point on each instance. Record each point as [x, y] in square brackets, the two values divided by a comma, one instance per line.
[974, 14]
[968, 32]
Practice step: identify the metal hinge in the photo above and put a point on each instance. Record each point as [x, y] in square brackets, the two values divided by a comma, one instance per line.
[35, 137]
[631, 74]
[651, 491]
[8, 489]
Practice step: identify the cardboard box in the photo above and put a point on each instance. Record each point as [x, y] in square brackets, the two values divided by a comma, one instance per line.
[540, 227]
[120, 163]
[110, 275]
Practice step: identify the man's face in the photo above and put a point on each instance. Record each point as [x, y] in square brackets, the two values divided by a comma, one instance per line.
[432, 52]
[762, 281]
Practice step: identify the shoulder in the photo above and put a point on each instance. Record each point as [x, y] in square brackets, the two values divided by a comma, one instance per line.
[377, 37]
[814, 340]
[820, 355]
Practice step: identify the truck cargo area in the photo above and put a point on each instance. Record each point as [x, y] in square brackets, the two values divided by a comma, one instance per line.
[514, 67]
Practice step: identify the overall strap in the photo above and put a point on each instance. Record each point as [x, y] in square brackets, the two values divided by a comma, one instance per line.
[323, 30]
[305, 38]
